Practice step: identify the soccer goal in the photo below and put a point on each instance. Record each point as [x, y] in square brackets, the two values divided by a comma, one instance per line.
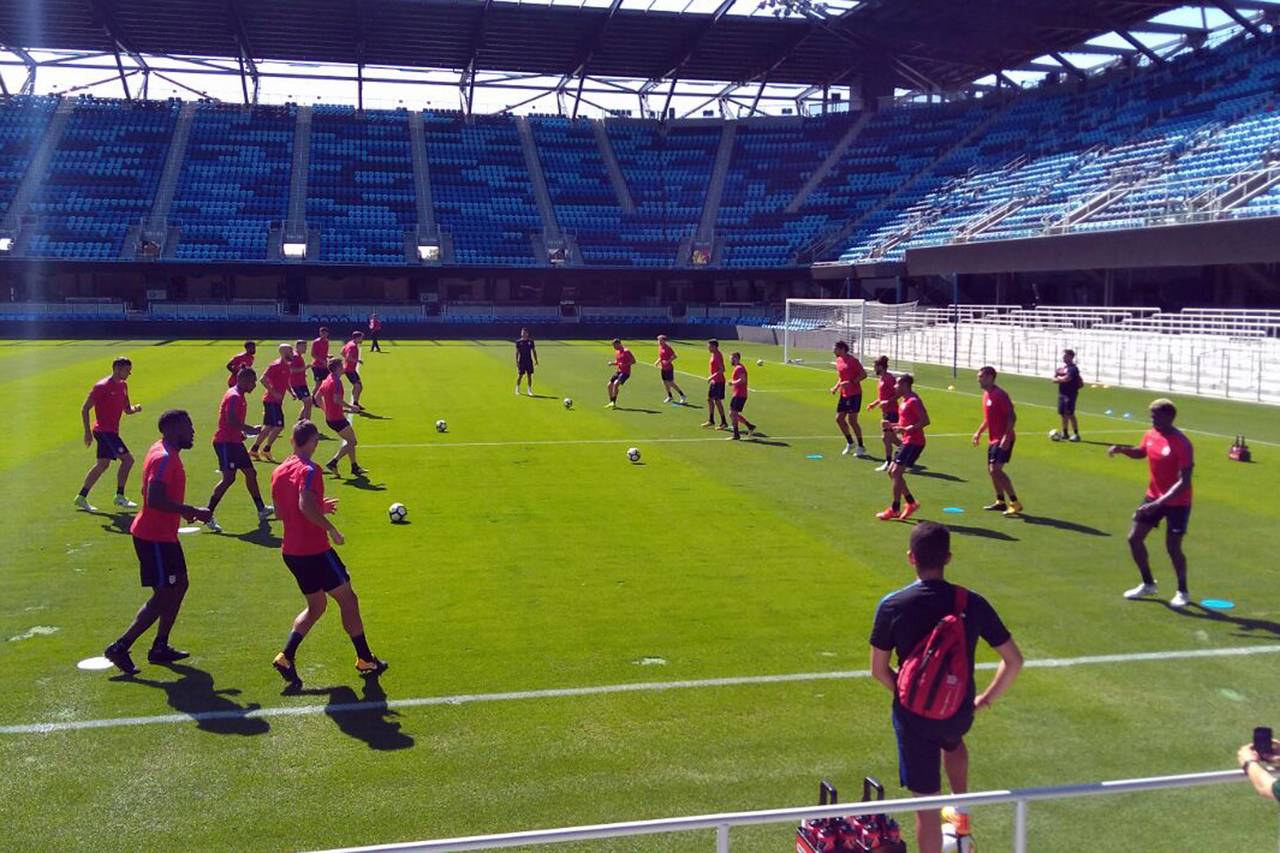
[871, 329]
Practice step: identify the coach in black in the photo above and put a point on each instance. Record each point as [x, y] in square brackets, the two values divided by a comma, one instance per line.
[905, 618]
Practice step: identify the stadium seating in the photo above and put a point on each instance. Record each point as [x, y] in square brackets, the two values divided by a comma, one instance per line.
[240, 312]
[358, 315]
[22, 122]
[50, 312]
[584, 199]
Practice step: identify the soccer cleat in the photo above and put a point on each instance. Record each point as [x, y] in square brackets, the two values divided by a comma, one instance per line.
[611, 405]
[370, 667]
[732, 438]
[751, 432]
[332, 468]
[287, 671]
[82, 502]
[708, 424]
[1142, 590]
[883, 466]
[908, 511]
[1181, 599]
[212, 525]
[887, 514]
[958, 819]
[166, 654]
[722, 427]
[119, 657]
[1015, 508]
[357, 471]
[860, 452]
[848, 448]
[530, 392]
[253, 454]
[668, 400]
[123, 502]
[517, 391]
[1075, 437]
[998, 506]
[265, 512]
[682, 401]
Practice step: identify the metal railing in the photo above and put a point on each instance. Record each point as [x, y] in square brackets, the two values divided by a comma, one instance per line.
[722, 823]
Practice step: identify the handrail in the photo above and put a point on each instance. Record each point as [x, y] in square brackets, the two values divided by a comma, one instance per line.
[722, 822]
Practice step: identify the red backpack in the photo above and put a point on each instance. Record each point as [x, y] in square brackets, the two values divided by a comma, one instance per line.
[934, 679]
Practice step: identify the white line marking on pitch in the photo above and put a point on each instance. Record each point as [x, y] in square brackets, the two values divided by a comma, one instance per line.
[599, 690]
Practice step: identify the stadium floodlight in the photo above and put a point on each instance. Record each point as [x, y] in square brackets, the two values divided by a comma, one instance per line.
[428, 252]
[6, 244]
[296, 251]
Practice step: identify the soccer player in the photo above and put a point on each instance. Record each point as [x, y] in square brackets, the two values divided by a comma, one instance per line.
[155, 541]
[228, 446]
[351, 362]
[320, 356]
[335, 408]
[375, 328]
[297, 487]
[887, 402]
[239, 361]
[1170, 457]
[912, 420]
[298, 380]
[622, 361]
[739, 400]
[1069, 383]
[526, 360]
[109, 399]
[849, 376]
[666, 364]
[998, 422]
[715, 386]
[275, 382]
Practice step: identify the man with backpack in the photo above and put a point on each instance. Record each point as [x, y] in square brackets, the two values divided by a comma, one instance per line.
[934, 626]
[1067, 378]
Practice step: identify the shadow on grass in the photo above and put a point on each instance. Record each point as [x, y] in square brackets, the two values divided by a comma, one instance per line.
[360, 481]
[980, 532]
[371, 416]
[1249, 628]
[120, 521]
[1061, 524]
[363, 717]
[261, 535]
[640, 411]
[761, 438]
[937, 475]
[210, 709]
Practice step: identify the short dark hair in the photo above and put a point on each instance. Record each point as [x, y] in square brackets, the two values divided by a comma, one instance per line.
[715, 342]
[334, 364]
[304, 431]
[907, 378]
[248, 344]
[247, 371]
[1069, 352]
[171, 417]
[882, 361]
[986, 368]
[1164, 405]
[121, 362]
[930, 545]
[324, 328]
[842, 345]
[617, 342]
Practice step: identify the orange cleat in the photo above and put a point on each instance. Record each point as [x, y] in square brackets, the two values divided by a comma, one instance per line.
[908, 511]
[887, 514]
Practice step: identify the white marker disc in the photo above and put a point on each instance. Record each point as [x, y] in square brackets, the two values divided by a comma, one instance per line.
[97, 664]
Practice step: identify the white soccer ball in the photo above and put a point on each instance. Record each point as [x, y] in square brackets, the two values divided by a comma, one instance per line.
[568, 402]
[633, 454]
[759, 362]
[398, 512]
[1054, 435]
[441, 426]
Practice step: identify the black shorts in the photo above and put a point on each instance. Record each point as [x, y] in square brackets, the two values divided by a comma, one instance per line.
[339, 425]
[319, 373]
[619, 378]
[272, 414]
[908, 454]
[715, 391]
[160, 564]
[302, 392]
[110, 446]
[318, 572]
[737, 404]
[850, 405]
[999, 456]
[524, 367]
[1067, 404]
[353, 376]
[891, 416]
[1177, 516]
[921, 743]
[232, 456]
[668, 374]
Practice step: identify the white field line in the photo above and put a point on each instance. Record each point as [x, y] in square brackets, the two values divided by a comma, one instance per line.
[599, 690]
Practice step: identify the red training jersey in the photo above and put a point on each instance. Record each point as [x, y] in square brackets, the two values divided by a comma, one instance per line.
[320, 352]
[162, 465]
[911, 413]
[350, 356]
[886, 393]
[623, 361]
[238, 362]
[277, 375]
[297, 371]
[1167, 456]
[740, 380]
[108, 397]
[665, 355]
[233, 402]
[997, 410]
[302, 537]
[329, 393]
[847, 367]
[716, 366]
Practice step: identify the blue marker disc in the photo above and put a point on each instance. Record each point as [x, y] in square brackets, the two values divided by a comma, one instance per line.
[814, 456]
[1107, 412]
[952, 509]
[1128, 414]
[1218, 604]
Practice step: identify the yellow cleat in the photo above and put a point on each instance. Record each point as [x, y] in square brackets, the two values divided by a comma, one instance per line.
[1015, 508]
[370, 667]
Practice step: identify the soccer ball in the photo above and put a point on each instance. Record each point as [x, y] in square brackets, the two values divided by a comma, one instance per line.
[568, 402]
[441, 426]
[1054, 435]
[398, 513]
[634, 454]
[759, 362]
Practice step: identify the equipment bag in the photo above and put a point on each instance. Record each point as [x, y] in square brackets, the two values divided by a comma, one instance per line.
[934, 679]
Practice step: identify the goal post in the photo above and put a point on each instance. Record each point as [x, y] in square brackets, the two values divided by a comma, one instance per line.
[812, 326]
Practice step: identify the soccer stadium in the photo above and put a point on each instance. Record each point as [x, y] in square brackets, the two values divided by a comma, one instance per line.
[889, 464]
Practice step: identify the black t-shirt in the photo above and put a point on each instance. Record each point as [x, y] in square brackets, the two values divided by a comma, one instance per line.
[524, 350]
[906, 617]
[1072, 386]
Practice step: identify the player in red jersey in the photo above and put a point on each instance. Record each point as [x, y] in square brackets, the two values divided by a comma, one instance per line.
[998, 422]
[155, 540]
[298, 380]
[109, 399]
[351, 362]
[239, 361]
[320, 356]
[666, 366]
[275, 384]
[335, 408]
[887, 402]
[849, 376]
[375, 329]
[622, 361]
[912, 420]
[297, 488]
[1170, 457]
[738, 402]
[715, 386]
[228, 446]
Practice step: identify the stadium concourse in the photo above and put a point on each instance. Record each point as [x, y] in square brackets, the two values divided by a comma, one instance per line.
[785, 290]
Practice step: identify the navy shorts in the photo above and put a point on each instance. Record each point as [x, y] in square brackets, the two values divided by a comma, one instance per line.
[715, 391]
[620, 378]
[319, 373]
[317, 572]
[338, 425]
[302, 392]
[524, 367]
[110, 446]
[1177, 516]
[737, 404]
[891, 416]
[849, 405]
[272, 414]
[1067, 404]
[353, 376]
[160, 564]
[232, 456]
[908, 454]
[921, 743]
[668, 374]
[999, 456]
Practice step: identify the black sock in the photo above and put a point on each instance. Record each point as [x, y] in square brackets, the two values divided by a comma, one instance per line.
[999, 498]
[897, 505]
[362, 647]
[84, 493]
[257, 501]
[123, 643]
[291, 646]
[120, 491]
[1013, 497]
[160, 640]
[910, 497]
[1147, 577]
[848, 441]
[255, 447]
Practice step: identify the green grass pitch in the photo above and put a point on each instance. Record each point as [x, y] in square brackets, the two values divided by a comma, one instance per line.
[539, 558]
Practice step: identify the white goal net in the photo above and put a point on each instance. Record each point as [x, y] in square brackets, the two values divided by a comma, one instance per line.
[871, 329]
